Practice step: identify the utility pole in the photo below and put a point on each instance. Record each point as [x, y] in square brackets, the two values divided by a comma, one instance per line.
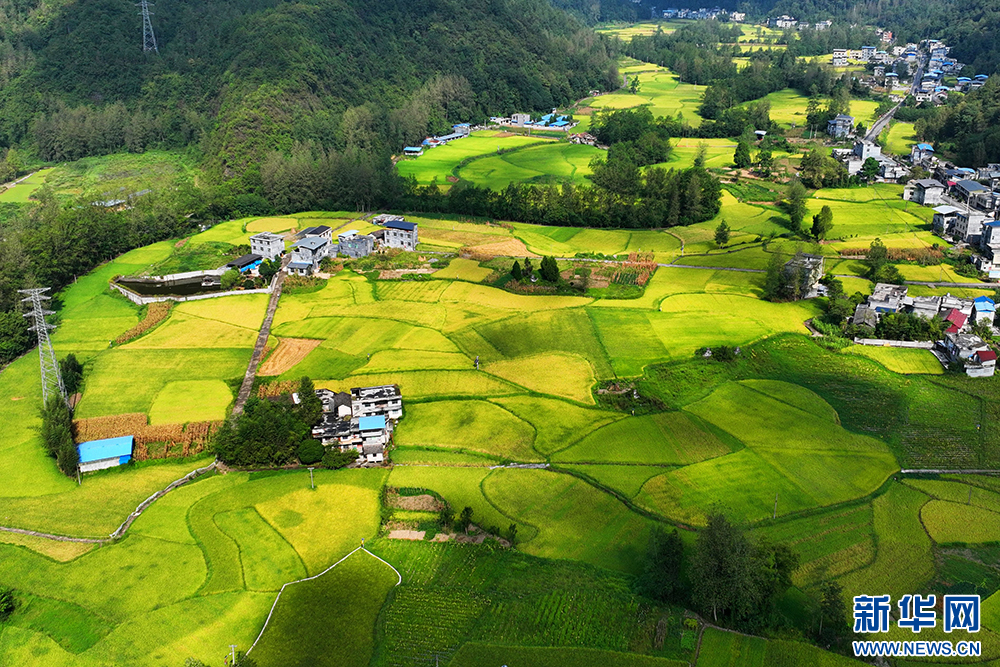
[775, 515]
[148, 37]
[51, 379]
[232, 649]
[311, 485]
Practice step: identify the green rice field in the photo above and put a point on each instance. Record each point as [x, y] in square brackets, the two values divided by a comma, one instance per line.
[662, 92]
[437, 164]
[547, 164]
[901, 139]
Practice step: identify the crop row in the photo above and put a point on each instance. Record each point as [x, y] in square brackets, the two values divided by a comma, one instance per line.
[155, 313]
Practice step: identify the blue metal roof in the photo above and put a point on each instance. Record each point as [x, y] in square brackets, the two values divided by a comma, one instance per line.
[560, 123]
[400, 224]
[964, 78]
[985, 304]
[925, 147]
[371, 423]
[413, 149]
[982, 76]
[109, 448]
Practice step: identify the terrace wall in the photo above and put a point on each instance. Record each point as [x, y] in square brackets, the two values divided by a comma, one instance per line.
[881, 342]
[144, 300]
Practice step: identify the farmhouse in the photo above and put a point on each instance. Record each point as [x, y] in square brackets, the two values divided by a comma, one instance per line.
[383, 400]
[322, 231]
[413, 151]
[972, 351]
[268, 245]
[401, 234]
[887, 298]
[245, 263]
[806, 270]
[361, 421]
[921, 153]
[307, 255]
[983, 310]
[840, 127]
[355, 245]
[928, 192]
[107, 453]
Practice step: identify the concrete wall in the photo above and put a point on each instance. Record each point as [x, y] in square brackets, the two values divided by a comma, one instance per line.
[879, 342]
[145, 300]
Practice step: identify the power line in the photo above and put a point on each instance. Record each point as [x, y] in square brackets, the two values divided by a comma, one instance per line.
[52, 382]
[148, 36]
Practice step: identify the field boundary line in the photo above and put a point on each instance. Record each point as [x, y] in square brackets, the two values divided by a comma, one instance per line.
[142, 507]
[316, 576]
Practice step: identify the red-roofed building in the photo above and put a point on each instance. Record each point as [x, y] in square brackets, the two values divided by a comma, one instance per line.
[957, 320]
[982, 364]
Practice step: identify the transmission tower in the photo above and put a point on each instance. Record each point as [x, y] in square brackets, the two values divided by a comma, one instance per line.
[148, 37]
[51, 379]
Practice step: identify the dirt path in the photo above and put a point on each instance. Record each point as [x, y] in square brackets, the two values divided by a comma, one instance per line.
[265, 332]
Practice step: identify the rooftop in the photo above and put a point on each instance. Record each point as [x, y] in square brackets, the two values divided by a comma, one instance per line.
[401, 224]
[266, 236]
[349, 233]
[947, 210]
[929, 183]
[312, 243]
[109, 448]
[244, 261]
[315, 231]
[381, 391]
[376, 423]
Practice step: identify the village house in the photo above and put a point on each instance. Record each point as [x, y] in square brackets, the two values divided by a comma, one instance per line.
[971, 351]
[928, 192]
[401, 234]
[919, 153]
[361, 421]
[983, 310]
[383, 400]
[322, 231]
[840, 127]
[268, 245]
[944, 220]
[307, 255]
[887, 298]
[355, 245]
[807, 270]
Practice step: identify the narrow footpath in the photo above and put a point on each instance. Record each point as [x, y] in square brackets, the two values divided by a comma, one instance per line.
[265, 332]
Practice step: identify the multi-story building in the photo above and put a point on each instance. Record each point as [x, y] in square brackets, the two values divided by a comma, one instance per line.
[384, 400]
[268, 245]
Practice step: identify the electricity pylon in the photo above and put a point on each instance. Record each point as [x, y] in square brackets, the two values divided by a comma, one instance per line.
[52, 382]
[148, 36]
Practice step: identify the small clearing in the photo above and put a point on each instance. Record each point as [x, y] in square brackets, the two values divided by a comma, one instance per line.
[507, 248]
[422, 503]
[407, 534]
[290, 351]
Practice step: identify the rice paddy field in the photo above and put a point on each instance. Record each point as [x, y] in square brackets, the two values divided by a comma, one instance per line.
[788, 109]
[546, 164]
[900, 139]
[437, 164]
[802, 444]
[662, 92]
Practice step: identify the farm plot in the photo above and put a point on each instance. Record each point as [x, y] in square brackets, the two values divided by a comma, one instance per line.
[463, 269]
[729, 649]
[564, 375]
[329, 620]
[472, 655]
[901, 139]
[662, 92]
[628, 338]
[626, 479]
[572, 518]
[557, 423]
[903, 560]
[901, 360]
[460, 487]
[548, 164]
[437, 164]
[829, 544]
[467, 425]
[797, 466]
[669, 438]
[948, 522]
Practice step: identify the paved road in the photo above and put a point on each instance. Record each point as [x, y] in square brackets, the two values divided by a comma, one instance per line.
[880, 124]
[265, 331]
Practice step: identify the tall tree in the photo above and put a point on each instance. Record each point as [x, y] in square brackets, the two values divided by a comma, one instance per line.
[549, 270]
[310, 406]
[662, 578]
[765, 161]
[72, 373]
[722, 234]
[797, 205]
[741, 158]
[515, 271]
[822, 222]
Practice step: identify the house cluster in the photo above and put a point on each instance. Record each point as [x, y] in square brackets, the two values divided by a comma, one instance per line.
[316, 243]
[960, 315]
[786, 22]
[361, 421]
[700, 14]
[549, 121]
[264, 246]
[853, 159]
[459, 131]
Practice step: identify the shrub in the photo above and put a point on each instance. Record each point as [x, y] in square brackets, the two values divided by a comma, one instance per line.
[339, 459]
[310, 451]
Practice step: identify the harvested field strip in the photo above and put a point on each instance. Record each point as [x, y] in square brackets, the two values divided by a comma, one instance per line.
[290, 351]
[155, 313]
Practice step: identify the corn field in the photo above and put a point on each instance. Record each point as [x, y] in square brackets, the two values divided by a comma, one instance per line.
[636, 270]
[155, 313]
[272, 389]
[190, 439]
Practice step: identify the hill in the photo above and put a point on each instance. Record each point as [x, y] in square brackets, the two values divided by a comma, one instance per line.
[249, 76]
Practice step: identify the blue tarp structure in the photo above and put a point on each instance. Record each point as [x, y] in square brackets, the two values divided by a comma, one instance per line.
[109, 448]
[371, 423]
